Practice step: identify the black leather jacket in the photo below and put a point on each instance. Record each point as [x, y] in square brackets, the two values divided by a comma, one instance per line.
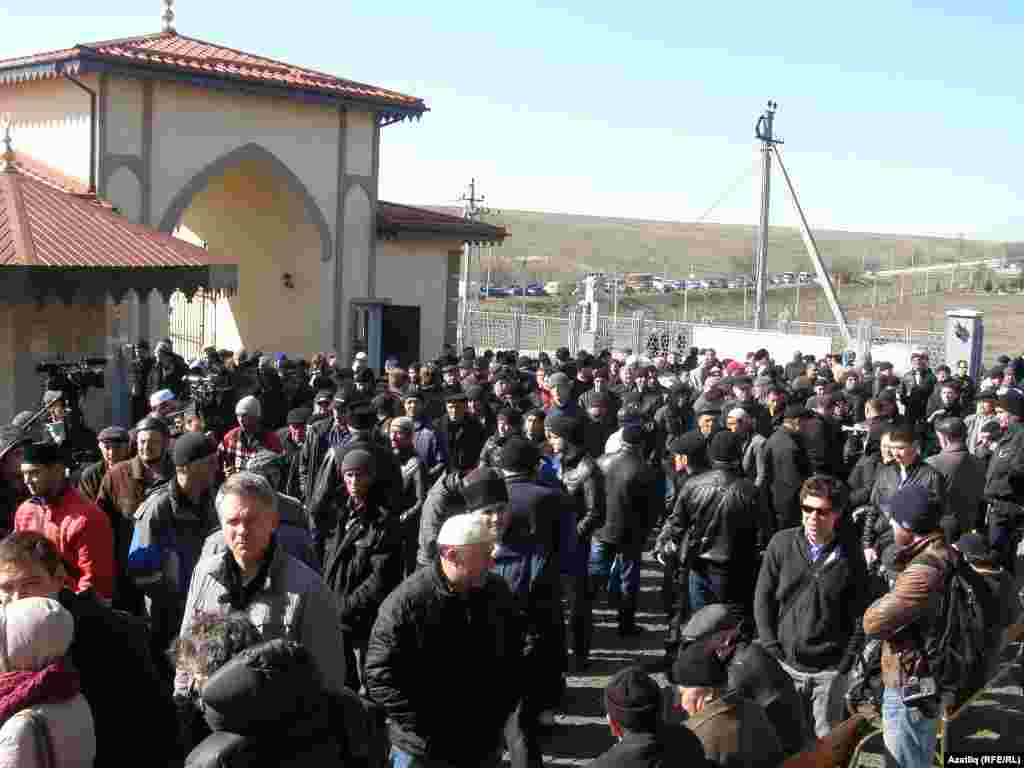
[731, 521]
[582, 481]
[631, 498]
[877, 533]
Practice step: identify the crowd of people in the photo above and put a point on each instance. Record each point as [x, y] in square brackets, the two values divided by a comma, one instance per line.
[403, 569]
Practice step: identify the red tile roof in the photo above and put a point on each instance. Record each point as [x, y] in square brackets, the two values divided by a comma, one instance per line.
[393, 218]
[169, 50]
[51, 222]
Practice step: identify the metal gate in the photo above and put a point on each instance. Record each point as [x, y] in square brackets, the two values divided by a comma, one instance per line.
[192, 324]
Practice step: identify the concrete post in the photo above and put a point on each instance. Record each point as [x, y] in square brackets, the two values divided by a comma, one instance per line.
[965, 338]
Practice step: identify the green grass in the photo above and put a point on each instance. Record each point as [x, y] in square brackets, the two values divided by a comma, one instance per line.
[555, 246]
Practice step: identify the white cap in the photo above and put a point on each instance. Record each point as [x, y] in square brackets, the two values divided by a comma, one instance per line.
[467, 528]
[361, 356]
[248, 405]
[159, 397]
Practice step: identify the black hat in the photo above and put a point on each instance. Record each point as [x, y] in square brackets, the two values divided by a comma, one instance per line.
[518, 453]
[455, 397]
[10, 438]
[44, 454]
[362, 415]
[726, 447]
[688, 444]
[153, 424]
[633, 700]
[413, 393]
[795, 411]
[698, 666]
[996, 372]
[563, 426]
[357, 458]
[113, 435]
[974, 546]
[1013, 403]
[323, 396]
[991, 428]
[633, 433]
[913, 509]
[475, 392]
[483, 487]
[192, 446]
[298, 416]
[709, 409]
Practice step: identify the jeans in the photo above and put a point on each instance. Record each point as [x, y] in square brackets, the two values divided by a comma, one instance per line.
[705, 590]
[617, 568]
[909, 734]
[814, 689]
[399, 759]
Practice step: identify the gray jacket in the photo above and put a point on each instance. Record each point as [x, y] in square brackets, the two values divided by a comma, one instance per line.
[964, 477]
[444, 499]
[294, 604]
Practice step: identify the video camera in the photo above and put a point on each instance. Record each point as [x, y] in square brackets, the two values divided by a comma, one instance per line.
[73, 377]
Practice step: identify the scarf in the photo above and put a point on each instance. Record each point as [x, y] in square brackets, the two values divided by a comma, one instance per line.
[27, 688]
[239, 594]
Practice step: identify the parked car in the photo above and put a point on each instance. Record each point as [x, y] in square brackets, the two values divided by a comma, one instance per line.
[535, 289]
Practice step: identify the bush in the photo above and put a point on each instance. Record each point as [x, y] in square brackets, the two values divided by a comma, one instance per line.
[988, 285]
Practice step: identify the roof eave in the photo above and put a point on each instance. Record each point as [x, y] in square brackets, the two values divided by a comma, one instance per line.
[467, 233]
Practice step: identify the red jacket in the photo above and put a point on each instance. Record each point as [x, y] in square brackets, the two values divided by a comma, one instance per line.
[82, 535]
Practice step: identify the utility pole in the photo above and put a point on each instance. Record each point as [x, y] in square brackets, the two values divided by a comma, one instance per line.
[472, 210]
[763, 131]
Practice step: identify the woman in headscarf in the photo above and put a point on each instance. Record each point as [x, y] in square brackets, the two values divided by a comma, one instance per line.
[44, 719]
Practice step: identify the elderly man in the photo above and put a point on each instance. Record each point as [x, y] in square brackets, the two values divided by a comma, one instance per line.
[280, 595]
[79, 530]
[170, 528]
[115, 447]
[738, 421]
[733, 730]
[247, 439]
[162, 404]
[451, 627]
[126, 484]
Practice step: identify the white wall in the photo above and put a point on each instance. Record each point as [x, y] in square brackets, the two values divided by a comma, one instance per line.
[50, 121]
[735, 343]
[415, 273]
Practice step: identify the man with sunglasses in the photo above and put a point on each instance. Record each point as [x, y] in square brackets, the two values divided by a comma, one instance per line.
[810, 597]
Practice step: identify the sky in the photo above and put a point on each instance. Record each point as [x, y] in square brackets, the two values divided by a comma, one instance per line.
[897, 117]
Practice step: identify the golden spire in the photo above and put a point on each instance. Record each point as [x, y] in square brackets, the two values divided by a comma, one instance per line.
[8, 156]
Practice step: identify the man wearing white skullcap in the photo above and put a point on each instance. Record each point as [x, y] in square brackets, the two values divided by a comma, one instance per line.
[242, 443]
[161, 403]
[450, 628]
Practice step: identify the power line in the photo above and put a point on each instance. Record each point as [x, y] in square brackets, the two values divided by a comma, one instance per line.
[728, 191]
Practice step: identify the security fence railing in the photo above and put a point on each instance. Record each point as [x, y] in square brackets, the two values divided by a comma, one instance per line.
[537, 333]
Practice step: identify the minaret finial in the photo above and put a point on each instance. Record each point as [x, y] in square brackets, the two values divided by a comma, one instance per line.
[8, 157]
[168, 17]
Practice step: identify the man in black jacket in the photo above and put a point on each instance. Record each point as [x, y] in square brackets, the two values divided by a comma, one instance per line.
[581, 480]
[461, 438]
[810, 596]
[731, 525]
[362, 557]
[964, 479]
[528, 558]
[631, 508]
[449, 632]
[785, 466]
[321, 437]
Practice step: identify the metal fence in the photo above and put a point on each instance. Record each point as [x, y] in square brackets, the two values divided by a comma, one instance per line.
[192, 324]
[534, 333]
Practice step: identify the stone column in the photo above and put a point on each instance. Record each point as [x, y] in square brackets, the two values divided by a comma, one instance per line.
[965, 339]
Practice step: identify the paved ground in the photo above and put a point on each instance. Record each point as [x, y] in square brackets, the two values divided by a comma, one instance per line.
[992, 723]
[581, 732]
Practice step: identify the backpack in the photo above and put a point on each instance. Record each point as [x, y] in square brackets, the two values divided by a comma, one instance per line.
[956, 644]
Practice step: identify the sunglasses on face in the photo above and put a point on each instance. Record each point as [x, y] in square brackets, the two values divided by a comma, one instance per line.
[816, 510]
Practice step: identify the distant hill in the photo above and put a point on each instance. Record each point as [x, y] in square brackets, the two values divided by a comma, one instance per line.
[555, 246]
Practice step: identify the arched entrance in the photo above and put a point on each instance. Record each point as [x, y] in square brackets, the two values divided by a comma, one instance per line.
[250, 207]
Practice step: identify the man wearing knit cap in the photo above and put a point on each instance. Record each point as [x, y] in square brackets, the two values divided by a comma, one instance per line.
[114, 447]
[247, 439]
[562, 402]
[361, 555]
[414, 488]
[730, 526]
[633, 702]
[171, 526]
[632, 506]
[292, 436]
[581, 481]
[901, 620]
[450, 627]
[786, 466]
[461, 437]
[78, 528]
[321, 437]
[387, 474]
[599, 421]
[733, 730]
[162, 403]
